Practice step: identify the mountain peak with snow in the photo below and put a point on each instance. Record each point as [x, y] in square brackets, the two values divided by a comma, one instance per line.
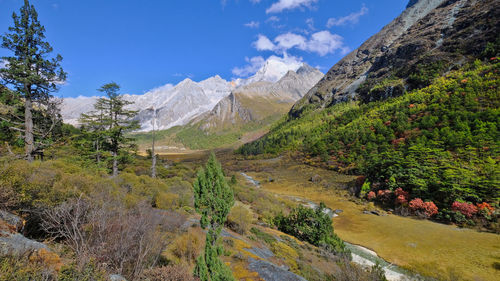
[273, 69]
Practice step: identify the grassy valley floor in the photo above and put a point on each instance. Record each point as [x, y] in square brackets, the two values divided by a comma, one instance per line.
[428, 248]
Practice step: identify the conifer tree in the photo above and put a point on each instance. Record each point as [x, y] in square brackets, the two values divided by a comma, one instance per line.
[110, 121]
[213, 200]
[32, 75]
[94, 131]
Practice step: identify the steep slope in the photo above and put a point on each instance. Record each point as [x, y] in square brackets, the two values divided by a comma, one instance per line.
[419, 118]
[429, 38]
[181, 103]
[439, 143]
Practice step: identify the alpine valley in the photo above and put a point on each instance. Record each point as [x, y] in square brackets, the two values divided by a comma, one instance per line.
[386, 168]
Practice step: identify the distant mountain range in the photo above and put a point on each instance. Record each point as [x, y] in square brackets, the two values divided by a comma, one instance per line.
[257, 101]
[284, 80]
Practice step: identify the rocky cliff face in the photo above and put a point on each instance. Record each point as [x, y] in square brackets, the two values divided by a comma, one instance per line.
[259, 100]
[437, 34]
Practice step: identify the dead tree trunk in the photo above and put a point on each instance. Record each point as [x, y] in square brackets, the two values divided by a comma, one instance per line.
[28, 134]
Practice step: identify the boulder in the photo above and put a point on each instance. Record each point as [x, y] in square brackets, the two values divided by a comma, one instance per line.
[315, 179]
[15, 221]
[17, 244]
[116, 277]
[271, 272]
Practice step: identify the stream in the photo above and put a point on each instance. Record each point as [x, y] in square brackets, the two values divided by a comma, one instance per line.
[360, 255]
[368, 258]
[251, 180]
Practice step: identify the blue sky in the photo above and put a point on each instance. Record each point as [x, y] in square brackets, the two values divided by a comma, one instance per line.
[145, 44]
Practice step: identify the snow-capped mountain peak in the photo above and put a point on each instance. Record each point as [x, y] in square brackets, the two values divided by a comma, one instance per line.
[274, 69]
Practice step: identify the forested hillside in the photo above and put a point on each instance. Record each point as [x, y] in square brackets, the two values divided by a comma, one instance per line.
[439, 144]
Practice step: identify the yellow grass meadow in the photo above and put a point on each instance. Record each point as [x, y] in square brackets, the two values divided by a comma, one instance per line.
[432, 249]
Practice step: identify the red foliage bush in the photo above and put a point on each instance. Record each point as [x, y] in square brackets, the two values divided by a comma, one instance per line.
[400, 191]
[384, 192]
[401, 196]
[384, 195]
[485, 207]
[431, 209]
[371, 195]
[424, 209]
[401, 200]
[417, 204]
[467, 209]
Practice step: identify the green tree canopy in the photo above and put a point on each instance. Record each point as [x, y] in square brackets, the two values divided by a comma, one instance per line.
[109, 122]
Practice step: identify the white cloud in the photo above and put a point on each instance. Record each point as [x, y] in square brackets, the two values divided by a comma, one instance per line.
[282, 5]
[255, 1]
[253, 65]
[186, 75]
[352, 18]
[252, 24]
[322, 43]
[310, 24]
[264, 44]
[273, 19]
[289, 40]
[3, 63]
[160, 89]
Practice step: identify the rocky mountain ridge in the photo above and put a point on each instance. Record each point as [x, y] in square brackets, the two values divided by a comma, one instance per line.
[429, 36]
[259, 100]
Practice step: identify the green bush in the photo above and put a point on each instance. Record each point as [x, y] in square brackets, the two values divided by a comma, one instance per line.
[313, 226]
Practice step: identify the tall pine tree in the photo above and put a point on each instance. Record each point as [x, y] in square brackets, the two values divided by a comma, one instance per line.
[32, 75]
[213, 199]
